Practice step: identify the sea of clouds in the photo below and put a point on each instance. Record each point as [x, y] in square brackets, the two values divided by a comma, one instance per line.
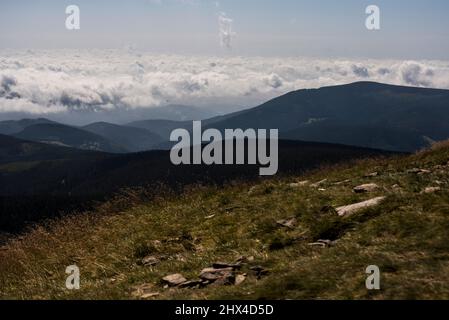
[55, 82]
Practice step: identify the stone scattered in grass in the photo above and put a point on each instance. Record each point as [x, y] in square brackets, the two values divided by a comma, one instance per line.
[351, 209]
[364, 188]
[174, 279]
[288, 223]
[405, 235]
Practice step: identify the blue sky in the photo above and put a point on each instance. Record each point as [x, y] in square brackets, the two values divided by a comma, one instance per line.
[410, 29]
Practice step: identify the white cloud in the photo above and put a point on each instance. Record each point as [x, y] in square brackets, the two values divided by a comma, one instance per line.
[59, 81]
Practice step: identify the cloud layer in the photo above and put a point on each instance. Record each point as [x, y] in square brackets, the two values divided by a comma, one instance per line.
[49, 82]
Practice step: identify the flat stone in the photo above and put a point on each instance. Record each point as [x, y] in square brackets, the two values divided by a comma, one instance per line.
[319, 183]
[339, 183]
[227, 279]
[288, 223]
[293, 185]
[174, 279]
[145, 291]
[430, 190]
[328, 243]
[322, 243]
[150, 295]
[225, 276]
[213, 274]
[419, 171]
[252, 190]
[224, 265]
[150, 261]
[354, 208]
[369, 187]
[298, 184]
[191, 284]
[317, 244]
[239, 279]
[372, 175]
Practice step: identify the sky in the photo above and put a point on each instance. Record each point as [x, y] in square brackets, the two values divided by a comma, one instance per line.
[410, 29]
[224, 55]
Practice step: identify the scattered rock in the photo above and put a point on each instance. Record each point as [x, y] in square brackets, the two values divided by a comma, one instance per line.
[293, 185]
[252, 190]
[328, 243]
[317, 244]
[174, 280]
[339, 183]
[192, 284]
[223, 265]
[244, 259]
[430, 190]
[145, 291]
[419, 171]
[321, 189]
[157, 244]
[210, 217]
[354, 208]
[213, 274]
[288, 223]
[149, 295]
[397, 188]
[369, 187]
[372, 175]
[225, 280]
[219, 276]
[299, 184]
[239, 279]
[150, 261]
[319, 183]
[322, 243]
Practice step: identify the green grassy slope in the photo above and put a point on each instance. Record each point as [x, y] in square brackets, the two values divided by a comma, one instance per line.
[406, 236]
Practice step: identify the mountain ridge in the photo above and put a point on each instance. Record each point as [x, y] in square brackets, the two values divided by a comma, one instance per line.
[419, 112]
